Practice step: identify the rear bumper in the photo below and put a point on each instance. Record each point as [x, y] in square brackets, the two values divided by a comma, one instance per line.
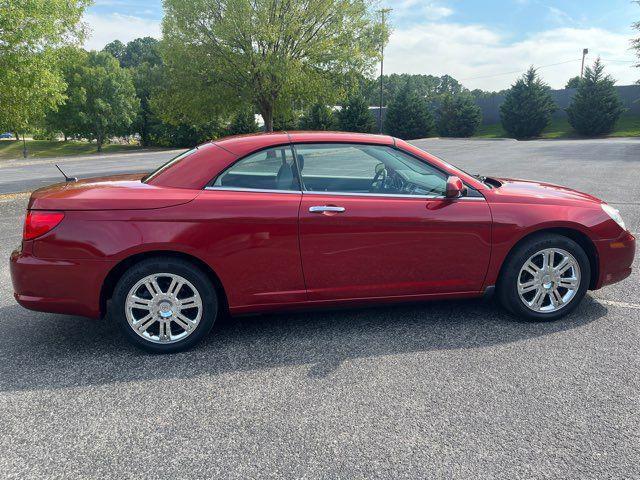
[59, 286]
[615, 259]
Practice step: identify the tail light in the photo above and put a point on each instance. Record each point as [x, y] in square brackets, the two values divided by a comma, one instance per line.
[39, 222]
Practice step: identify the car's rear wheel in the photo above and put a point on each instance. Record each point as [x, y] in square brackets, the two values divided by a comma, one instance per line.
[165, 305]
[544, 278]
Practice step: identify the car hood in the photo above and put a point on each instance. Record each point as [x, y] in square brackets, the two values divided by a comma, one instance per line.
[118, 192]
[539, 192]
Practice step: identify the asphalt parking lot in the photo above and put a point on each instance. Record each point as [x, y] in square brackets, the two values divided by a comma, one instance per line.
[439, 390]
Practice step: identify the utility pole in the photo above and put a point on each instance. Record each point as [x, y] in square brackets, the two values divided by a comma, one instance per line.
[584, 54]
[383, 12]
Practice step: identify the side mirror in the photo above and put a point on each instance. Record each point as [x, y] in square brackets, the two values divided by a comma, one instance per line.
[455, 187]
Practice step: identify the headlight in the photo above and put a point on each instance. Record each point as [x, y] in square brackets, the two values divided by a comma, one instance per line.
[614, 214]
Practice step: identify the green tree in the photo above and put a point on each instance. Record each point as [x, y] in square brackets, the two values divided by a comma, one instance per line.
[355, 116]
[318, 117]
[243, 122]
[102, 96]
[142, 57]
[573, 82]
[225, 53]
[140, 51]
[458, 116]
[116, 49]
[428, 87]
[596, 106]
[66, 118]
[30, 81]
[408, 116]
[527, 107]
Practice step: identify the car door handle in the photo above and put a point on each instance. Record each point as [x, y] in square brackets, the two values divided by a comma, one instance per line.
[326, 208]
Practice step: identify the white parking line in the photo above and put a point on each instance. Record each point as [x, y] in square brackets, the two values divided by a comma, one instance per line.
[635, 306]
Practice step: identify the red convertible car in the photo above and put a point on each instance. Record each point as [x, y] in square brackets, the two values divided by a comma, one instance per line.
[278, 221]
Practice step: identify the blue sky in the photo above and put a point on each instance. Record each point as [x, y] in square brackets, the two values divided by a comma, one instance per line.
[479, 42]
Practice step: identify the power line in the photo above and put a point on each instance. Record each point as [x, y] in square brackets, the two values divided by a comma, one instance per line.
[518, 71]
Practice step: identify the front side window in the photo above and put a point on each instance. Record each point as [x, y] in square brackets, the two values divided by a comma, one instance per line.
[350, 168]
[271, 169]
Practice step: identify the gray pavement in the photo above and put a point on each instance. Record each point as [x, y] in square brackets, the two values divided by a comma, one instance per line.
[439, 390]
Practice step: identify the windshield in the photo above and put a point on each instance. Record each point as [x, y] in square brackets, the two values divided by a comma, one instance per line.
[168, 164]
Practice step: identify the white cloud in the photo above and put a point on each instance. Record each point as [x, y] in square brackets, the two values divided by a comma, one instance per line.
[469, 51]
[106, 28]
[419, 10]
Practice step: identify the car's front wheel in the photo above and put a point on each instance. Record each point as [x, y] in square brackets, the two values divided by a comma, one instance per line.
[544, 278]
[165, 305]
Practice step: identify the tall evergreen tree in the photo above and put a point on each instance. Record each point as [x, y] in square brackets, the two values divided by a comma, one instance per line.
[408, 116]
[527, 107]
[319, 117]
[596, 106]
[458, 116]
[355, 116]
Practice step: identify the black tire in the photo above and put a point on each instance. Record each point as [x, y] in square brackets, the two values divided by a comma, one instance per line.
[507, 288]
[188, 271]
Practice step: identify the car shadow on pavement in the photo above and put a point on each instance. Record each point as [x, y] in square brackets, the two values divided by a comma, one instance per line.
[45, 351]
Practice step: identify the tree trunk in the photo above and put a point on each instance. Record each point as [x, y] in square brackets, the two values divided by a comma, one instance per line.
[99, 141]
[24, 146]
[266, 110]
[65, 136]
[17, 135]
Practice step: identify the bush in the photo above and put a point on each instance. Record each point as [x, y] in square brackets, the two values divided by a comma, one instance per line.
[596, 107]
[458, 116]
[408, 116]
[243, 122]
[319, 117]
[183, 136]
[355, 116]
[527, 107]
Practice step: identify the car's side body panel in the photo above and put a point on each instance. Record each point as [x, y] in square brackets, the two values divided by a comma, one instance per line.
[388, 246]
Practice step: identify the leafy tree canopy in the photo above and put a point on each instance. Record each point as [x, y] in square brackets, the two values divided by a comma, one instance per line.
[30, 33]
[527, 106]
[426, 86]
[573, 82]
[458, 116]
[596, 106]
[408, 116]
[224, 53]
[101, 99]
[142, 57]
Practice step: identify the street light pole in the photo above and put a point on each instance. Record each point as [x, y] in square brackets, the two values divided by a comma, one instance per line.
[584, 54]
[383, 12]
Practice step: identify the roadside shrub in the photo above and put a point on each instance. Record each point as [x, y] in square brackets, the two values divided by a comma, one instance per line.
[183, 136]
[243, 122]
[408, 116]
[458, 116]
[527, 107]
[319, 117]
[355, 116]
[596, 106]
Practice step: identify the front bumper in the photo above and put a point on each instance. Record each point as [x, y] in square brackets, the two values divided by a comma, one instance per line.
[59, 286]
[615, 259]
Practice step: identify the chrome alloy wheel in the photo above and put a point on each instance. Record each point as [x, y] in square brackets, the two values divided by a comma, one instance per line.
[548, 280]
[163, 308]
